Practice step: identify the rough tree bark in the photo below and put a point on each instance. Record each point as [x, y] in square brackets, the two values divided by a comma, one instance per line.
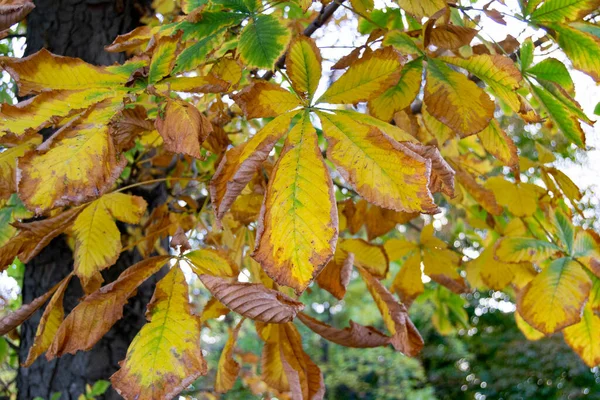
[79, 28]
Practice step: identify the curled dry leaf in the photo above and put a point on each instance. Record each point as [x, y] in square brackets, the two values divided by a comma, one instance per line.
[405, 336]
[253, 300]
[13, 11]
[336, 275]
[356, 335]
[98, 312]
[442, 174]
[51, 319]
[228, 369]
[34, 236]
[451, 36]
[183, 128]
[127, 125]
[180, 242]
[14, 319]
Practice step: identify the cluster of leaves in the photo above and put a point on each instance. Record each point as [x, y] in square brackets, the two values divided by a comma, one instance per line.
[192, 88]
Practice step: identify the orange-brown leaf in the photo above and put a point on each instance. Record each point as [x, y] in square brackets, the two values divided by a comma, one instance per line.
[356, 335]
[12, 12]
[336, 275]
[253, 300]
[228, 369]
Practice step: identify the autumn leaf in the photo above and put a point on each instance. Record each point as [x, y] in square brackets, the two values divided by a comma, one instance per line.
[303, 65]
[420, 9]
[369, 161]
[405, 337]
[455, 100]
[580, 45]
[264, 99]
[97, 238]
[518, 249]
[297, 228]
[520, 198]
[336, 275]
[163, 57]
[183, 128]
[10, 14]
[451, 37]
[212, 262]
[8, 165]
[240, 163]
[48, 326]
[497, 142]
[228, 369]
[408, 283]
[581, 337]
[355, 335]
[253, 300]
[555, 298]
[368, 256]
[366, 78]
[165, 356]
[97, 313]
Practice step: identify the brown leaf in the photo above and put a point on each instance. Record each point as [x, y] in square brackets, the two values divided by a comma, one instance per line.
[14, 319]
[13, 11]
[49, 323]
[134, 40]
[356, 335]
[495, 15]
[34, 236]
[405, 336]
[183, 128]
[253, 300]
[348, 59]
[355, 214]
[180, 241]
[442, 175]
[228, 369]
[452, 36]
[336, 275]
[127, 125]
[98, 312]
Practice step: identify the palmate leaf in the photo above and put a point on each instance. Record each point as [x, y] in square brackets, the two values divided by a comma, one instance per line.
[298, 223]
[165, 356]
[263, 41]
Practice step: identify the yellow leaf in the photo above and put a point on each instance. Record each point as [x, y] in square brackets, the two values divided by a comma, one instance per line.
[263, 100]
[401, 95]
[554, 299]
[405, 337]
[228, 369]
[78, 165]
[381, 171]
[408, 283]
[212, 262]
[455, 100]
[51, 319]
[183, 128]
[43, 70]
[193, 84]
[8, 165]
[499, 144]
[520, 198]
[583, 337]
[303, 65]
[366, 78]
[527, 330]
[483, 196]
[165, 356]
[240, 163]
[228, 70]
[369, 256]
[517, 249]
[498, 72]
[97, 238]
[441, 132]
[422, 8]
[213, 309]
[96, 314]
[297, 228]
[47, 108]
[392, 131]
[398, 248]
[496, 275]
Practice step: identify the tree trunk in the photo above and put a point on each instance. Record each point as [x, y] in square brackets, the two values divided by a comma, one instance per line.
[79, 28]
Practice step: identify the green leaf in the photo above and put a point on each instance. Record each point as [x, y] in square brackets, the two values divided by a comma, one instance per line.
[402, 42]
[597, 109]
[564, 229]
[99, 388]
[263, 41]
[195, 55]
[526, 54]
[581, 44]
[553, 70]
[563, 10]
[565, 120]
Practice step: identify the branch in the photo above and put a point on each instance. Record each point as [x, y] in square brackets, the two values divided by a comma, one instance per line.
[322, 18]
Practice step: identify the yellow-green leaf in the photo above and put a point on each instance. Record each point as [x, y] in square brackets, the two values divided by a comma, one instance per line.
[583, 337]
[518, 249]
[163, 57]
[165, 356]
[581, 46]
[303, 65]
[422, 8]
[554, 299]
[366, 78]
[382, 171]
[499, 144]
[298, 224]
